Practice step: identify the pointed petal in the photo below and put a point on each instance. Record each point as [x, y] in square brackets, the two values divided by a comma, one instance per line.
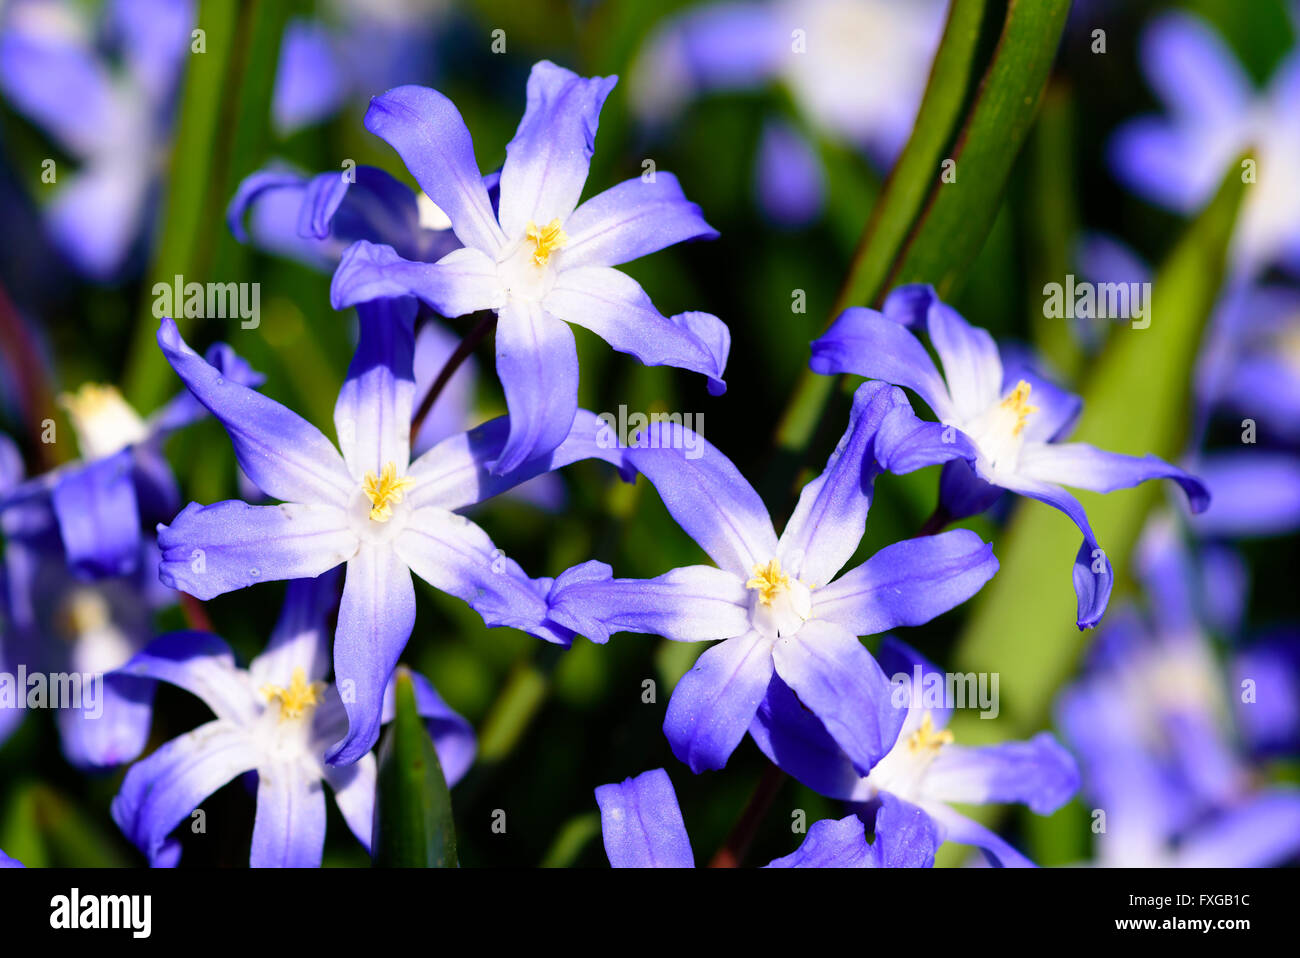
[838, 680]
[972, 367]
[1038, 773]
[537, 362]
[288, 457]
[630, 220]
[547, 161]
[908, 583]
[211, 550]
[162, 790]
[463, 281]
[354, 793]
[99, 520]
[1079, 464]
[201, 664]
[962, 830]
[615, 307]
[715, 701]
[866, 343]
[429, 135]
[375, 622]
[706, 494]
[453, 737]
[373, 412]
[289, 830]
[301, 637]
[692, 604]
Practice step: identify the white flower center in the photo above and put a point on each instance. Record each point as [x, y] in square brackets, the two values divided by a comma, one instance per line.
[379, 509]
[103, 421]
[903, 770]
[780, 605]
[998, 432]
[526, 269]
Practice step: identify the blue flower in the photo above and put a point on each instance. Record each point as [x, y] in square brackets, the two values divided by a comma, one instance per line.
[276, 718]
[7, 862]
[370, 507]
[783, 615]
[59, 623]
[123, 483]
[538, 259]
[642, 827]
[314, 219]
[1148, 719]
[1011, 421]
[923, 766]
[114, 120]
[1178, 160]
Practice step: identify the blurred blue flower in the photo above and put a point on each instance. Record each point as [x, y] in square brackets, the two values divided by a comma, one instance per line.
[371, 508]
[1008, 443]
[1213, 115]
[856, 70]
[123, 482]
[783, 616]
[1150, 721]
[923, 766]
[538, 259]
[112, 115]
[7, 862]
[642, 827]
[276, 718]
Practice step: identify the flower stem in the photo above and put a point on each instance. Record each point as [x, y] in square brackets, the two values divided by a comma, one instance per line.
[733, 851]
[486, 322]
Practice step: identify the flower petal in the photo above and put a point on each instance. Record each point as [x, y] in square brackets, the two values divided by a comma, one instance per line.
[210, 550]
[908, 583]
[373, 413]
[99, 520]
[537, 362]
[692, 604]
[286, 456]
[615, 307]
[962, 830]
[1262, 832]
[463, 281]
[838, 680]
[866, 343]
[456, 556]
[201, 664]
[642, 824]
[162, 790]
[455, 473]
[300, 639]
[796, 741]
[427, 132]
[706, 494]
[830, 843]
[1038, 773]
[972, 367]
[375, 621]
[547, 161]
[906, 837]
[630, 220]
[354, 793]
[715, 701]
[289, 830]
[1079, 464]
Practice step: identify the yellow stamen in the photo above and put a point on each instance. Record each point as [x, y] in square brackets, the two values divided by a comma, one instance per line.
[546, 240]
[769, 580]
[85, 611]
[385, 490]
[1018, 403]
[927, 738]
[298, 698]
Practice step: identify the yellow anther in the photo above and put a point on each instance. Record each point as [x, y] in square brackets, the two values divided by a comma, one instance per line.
[298, 698]
[546, 240]
[769, 580]
[85, 611]
[385, 490]
[1018, 403]
[927, 738]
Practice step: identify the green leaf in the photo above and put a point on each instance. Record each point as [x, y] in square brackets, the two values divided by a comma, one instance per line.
[1136, 402]
[223, 129]
[924, 229]
[413, 822]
